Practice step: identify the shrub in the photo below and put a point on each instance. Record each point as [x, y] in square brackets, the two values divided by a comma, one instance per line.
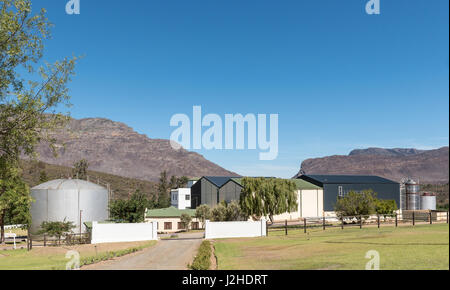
[203, 259]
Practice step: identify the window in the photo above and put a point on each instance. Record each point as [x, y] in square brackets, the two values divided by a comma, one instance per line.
[180, 226]
[340, 191]
[188, 197]
[195, 226]
[167, 225]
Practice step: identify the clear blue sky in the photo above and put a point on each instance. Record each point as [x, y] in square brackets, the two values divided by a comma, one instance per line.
[338, 78]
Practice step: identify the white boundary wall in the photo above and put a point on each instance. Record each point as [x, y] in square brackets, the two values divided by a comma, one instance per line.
[114, 233]
[249, 229]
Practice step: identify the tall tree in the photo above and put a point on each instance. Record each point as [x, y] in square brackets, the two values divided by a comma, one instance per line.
[29, 107]
[267, 197]
[80, 169]
[15, 199]
[163, 191]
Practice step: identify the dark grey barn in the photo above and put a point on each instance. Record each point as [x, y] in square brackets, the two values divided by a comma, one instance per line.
[339, 185]
[211, 190]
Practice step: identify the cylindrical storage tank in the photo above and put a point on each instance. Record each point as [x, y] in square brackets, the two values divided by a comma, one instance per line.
[428, 201]
[412, 189]
[68, 199]
[413, 201]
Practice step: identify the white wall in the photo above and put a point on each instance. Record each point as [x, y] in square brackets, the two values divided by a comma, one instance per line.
[113, 233]
[249, 229]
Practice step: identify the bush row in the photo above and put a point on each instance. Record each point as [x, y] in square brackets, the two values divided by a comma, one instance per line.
[84, 261]
[203, 259]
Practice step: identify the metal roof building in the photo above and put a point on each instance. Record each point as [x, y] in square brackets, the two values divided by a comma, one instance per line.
[335, 186]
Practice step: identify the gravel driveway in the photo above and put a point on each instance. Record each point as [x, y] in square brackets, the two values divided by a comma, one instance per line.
[172, 254]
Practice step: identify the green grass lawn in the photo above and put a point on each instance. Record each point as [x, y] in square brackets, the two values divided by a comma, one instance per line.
[403, 248]
[50, 258]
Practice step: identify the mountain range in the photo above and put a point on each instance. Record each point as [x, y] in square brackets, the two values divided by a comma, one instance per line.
[114, 148]
[429, 166]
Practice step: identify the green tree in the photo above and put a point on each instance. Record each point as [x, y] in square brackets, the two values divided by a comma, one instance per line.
[80, 169]
[356, 204]
[15, 199]
[385, 207]
[28, 108]
[182, 182]
[202, 213]
[219, 213]
[186, 220]
[234, 212]
[131, 210]
[43, 176]
[163, 191]
[56, 229]
[267, 197]
[30, 96]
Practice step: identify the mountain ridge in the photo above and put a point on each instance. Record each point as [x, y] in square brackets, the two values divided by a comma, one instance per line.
[115, 148]
[429, 166]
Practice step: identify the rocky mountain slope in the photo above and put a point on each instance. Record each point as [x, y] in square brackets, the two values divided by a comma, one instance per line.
[113, 147]
[429, 166]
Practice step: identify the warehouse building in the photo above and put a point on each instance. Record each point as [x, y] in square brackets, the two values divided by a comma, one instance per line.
[211, 190]
[335, 186]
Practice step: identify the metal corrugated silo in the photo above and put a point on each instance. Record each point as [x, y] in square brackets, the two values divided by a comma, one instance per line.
[67, 199]
[412, 194]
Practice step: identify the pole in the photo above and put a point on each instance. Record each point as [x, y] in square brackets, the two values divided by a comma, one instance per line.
[304, 225]
[342, 222]
[285, 228]
[414, 218]
[323, 223]
[81, 212]
[431, 218]
[45, 240]
[267, 228]
[396, 220]
[360, 221]
[378, 220]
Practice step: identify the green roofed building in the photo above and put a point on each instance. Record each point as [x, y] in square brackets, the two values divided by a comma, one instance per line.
[168, 219]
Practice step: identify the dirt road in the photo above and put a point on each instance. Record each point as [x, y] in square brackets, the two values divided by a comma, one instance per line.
[173, 254]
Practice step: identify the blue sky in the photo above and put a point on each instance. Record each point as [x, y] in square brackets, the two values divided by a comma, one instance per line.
[338, 78]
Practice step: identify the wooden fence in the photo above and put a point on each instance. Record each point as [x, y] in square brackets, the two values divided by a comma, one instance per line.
[51, 241]
[406, 218]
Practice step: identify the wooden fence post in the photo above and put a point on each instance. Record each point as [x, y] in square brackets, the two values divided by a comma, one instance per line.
[378, 220]
[414, 218]
[285, 228]
[304, 225]
[360, 221]
[324, 223]
[396, 220]
[342, 222]
[45, 240]
[267, 228]
[431, 218]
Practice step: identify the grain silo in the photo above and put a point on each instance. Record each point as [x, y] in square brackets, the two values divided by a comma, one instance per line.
[412, 194]
[69, 199]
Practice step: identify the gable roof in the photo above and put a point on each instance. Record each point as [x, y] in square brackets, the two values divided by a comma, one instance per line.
[219, 181]
[169, 212]
[345, 179]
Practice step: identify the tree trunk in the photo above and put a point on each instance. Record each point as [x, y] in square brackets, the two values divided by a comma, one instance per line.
[271, 218]
[2, 228]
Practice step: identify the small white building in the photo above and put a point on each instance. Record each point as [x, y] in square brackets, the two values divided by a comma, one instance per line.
[180, 198]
